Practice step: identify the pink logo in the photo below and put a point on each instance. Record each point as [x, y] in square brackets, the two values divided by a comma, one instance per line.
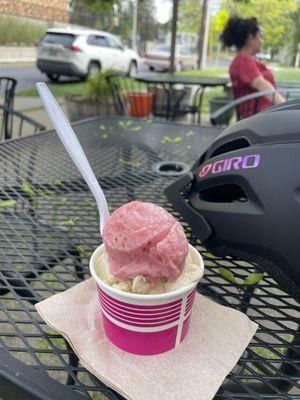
[250, 161]
[204, 170]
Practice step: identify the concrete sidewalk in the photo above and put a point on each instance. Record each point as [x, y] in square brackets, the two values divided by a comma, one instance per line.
[33, 108]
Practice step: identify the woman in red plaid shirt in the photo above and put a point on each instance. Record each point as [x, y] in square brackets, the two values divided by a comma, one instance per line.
[247, 74]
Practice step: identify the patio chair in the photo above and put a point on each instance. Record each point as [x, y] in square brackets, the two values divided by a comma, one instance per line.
[139, 100]
[130, 98]
[7, 94]
[14, 124]
[250, 103]
[7, 91]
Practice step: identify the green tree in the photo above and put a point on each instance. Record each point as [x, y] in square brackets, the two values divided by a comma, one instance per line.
[292, 45]
[94, 13]
[147, 25]
[189, 16]
[275, 17]
[103, 13]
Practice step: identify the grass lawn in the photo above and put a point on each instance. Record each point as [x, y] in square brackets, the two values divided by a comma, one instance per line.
[58, 89]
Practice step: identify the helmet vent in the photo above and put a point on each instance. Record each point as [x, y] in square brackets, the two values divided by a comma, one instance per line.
[224, 193]
[236, 144]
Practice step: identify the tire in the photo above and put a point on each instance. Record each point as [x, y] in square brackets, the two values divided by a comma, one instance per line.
[53, 77]
[93, 69]
[132, 70]
[151, 68]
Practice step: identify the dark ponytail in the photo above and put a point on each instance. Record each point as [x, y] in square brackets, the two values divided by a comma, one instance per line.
[238, 30]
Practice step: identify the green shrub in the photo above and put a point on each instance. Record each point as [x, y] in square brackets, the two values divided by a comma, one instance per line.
[98, 88]
[15, 31]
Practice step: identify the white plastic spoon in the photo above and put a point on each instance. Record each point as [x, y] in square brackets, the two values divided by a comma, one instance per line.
[73, 147]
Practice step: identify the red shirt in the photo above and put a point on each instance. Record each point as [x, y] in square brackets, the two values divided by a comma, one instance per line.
[243, 70]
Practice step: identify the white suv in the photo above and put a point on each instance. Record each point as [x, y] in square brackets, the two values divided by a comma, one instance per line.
[83, 52]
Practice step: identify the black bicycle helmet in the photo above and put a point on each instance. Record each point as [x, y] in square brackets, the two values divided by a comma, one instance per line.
[242, 197]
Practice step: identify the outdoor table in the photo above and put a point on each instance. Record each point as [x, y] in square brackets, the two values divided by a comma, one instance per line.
[168, 83]
[49, 227]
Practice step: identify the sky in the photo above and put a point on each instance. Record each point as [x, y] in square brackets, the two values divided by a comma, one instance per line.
[164, 9]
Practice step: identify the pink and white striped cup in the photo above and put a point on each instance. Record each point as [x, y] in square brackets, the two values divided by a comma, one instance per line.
[145, 324]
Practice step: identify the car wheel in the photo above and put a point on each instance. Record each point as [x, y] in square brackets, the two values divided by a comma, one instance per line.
[132, 70]
[94, 69]
[53, 77]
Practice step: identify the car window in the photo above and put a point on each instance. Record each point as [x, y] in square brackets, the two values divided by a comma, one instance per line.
[187, 51]
[100, 41]
[65, 39]
[184, 51]
[166, 49]
[114, 44]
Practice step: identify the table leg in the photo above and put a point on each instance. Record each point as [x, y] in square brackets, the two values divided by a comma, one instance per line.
[200, 102]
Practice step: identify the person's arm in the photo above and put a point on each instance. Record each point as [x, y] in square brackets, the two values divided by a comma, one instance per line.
[261, 84]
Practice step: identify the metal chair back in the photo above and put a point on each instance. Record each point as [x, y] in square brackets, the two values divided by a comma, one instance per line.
[130, 97]
[253, 99]
[7, 93]
[19, 124]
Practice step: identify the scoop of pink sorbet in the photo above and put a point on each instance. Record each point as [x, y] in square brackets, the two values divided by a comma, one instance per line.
[144, 239]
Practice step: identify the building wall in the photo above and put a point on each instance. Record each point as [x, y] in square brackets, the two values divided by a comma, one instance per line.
[47, 10]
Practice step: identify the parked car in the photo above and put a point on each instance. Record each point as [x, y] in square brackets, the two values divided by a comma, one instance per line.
[83, 52]
[158, 58]
[264, 56]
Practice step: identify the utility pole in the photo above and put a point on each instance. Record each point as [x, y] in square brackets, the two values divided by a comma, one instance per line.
[173, 37]
[203, 36]
[134, 25]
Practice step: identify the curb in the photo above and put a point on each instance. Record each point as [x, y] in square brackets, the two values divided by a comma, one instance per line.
[17, 60]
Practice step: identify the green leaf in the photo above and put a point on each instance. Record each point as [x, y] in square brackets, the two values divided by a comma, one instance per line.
[43, 193]
[7, 203]
[166, 139]
[128, 123]
[62, 201]
[102, 127]
[90, 203]
[227, 274]
[136, 129]
[80, 248]
[134, 164]
[190, 133]
[253, 278]
[177, 139]
[35, 204]
[57, 182]
[149, 121]
[121, 123]
[104, 135]
[70, 222]
[28, 189]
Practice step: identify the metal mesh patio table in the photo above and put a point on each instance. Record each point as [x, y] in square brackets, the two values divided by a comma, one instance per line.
[49, 227]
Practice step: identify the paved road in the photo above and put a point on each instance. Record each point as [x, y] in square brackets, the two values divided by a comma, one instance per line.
[26, 75]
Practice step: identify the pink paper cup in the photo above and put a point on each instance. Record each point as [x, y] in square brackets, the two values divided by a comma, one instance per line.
[145, 324]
